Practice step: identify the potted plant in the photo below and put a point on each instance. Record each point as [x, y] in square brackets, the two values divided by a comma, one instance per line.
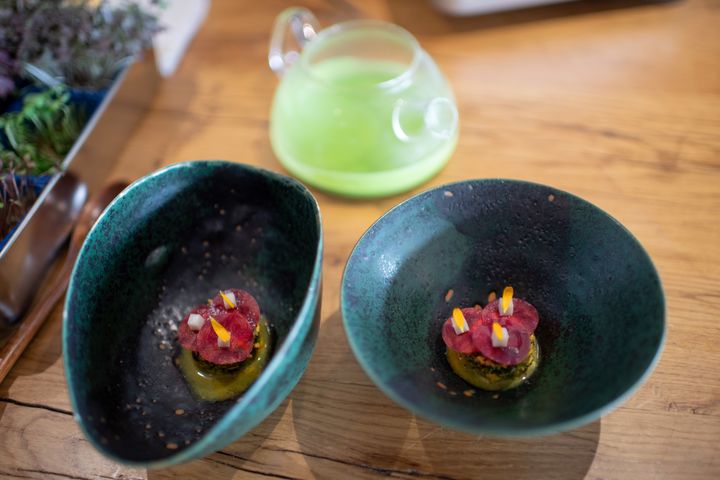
[81, 46]
[34, 141]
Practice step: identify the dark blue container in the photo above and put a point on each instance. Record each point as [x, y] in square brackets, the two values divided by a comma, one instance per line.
[31, 182]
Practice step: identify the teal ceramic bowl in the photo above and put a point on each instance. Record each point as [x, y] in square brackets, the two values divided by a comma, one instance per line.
[601, 305]
[167, 243]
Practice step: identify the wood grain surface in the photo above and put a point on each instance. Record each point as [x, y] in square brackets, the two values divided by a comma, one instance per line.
[618, 102]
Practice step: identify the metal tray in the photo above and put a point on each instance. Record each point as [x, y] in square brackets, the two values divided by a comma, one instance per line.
[26, 256]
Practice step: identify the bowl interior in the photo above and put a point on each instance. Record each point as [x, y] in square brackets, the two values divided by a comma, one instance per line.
[168, 243]
[599, 298]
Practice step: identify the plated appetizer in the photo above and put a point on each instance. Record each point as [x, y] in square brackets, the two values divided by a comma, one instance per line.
[493, 348]
[225, 345]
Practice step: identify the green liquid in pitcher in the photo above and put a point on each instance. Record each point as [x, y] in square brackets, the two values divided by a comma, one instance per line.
[332, 127]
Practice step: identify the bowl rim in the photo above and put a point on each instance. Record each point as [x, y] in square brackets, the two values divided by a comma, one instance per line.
[501, 432]
[298, 331]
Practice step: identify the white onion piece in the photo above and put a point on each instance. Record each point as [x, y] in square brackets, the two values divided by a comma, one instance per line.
[507, 312]
[195, 322]
[497, 342]
[231, 297]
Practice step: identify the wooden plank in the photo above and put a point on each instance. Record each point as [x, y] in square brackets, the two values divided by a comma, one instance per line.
[619, 106]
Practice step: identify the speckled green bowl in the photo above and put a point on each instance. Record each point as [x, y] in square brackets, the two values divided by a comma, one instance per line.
[601, 305]
[168, 242]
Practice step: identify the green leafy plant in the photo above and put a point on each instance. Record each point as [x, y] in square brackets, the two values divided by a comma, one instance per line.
[35, 142]
[38, 136]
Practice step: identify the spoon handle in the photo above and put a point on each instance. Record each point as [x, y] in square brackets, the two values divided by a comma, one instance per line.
[28, 327]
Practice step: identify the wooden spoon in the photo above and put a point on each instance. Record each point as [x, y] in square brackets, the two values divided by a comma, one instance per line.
[28, 327]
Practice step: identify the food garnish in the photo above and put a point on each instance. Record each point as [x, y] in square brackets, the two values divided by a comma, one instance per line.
[494, 347]
[221, 332]
[459, 323]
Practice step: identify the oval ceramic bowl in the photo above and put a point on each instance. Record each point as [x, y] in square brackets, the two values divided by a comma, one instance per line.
[601, 305]
[167, 243]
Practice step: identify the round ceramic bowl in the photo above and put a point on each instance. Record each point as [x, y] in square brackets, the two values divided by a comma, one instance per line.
[601, 305]
[169, 242]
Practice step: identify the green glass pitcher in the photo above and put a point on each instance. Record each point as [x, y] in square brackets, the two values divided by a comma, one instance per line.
[361, 109]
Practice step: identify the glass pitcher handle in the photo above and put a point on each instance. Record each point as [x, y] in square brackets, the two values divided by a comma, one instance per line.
[439, 117]
[302, 24]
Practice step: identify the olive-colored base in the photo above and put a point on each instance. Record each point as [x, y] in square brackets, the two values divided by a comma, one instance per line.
[488, 375]
[219, 382]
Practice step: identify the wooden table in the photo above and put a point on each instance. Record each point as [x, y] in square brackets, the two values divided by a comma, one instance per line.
[618, 105]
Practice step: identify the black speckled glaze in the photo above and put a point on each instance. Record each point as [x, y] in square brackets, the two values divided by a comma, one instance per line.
[601, 305]
[168, 243]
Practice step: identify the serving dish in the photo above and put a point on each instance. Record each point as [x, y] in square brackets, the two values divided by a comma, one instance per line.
[599, 298]
[168, 242]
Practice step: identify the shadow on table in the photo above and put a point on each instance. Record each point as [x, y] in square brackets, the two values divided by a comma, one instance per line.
[343, 423]
[423, 19]
[564, 456]
[232, 461]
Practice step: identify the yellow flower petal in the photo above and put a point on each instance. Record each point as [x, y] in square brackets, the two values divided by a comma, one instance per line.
[507, 298]
[459, 319]
[497, 330]
[226, 299]
[222, 333]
